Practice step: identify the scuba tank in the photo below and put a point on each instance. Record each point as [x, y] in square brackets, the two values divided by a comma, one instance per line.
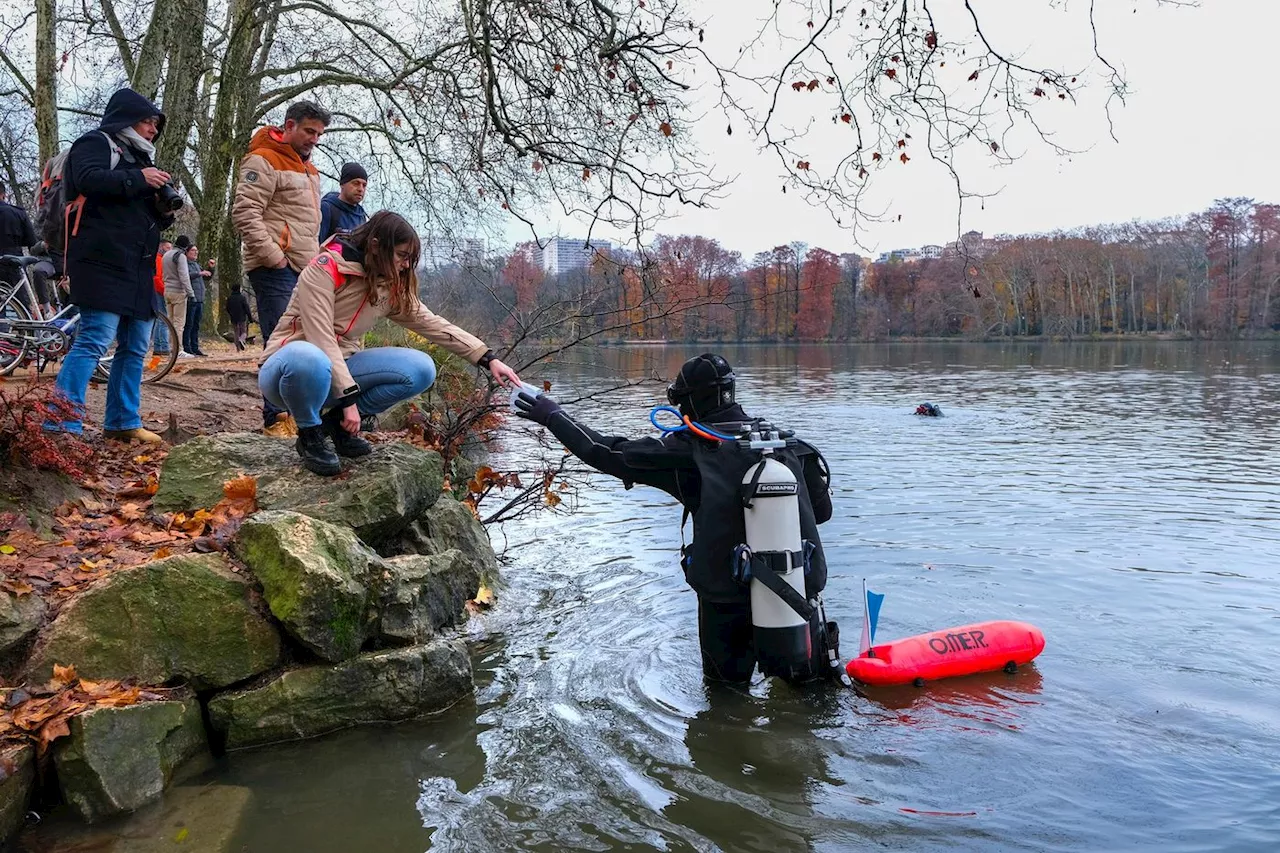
[774, 561]
[772, 517]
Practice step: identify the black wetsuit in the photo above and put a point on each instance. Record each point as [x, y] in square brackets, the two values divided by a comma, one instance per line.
[670, 464]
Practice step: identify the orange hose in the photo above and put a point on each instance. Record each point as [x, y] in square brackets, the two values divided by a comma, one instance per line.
[700, 433]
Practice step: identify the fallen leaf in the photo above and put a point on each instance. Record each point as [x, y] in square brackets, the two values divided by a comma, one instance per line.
[63, 674]
[7, 549]
[51, 731]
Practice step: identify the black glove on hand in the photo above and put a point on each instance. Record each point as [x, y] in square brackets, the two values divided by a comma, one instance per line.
[540, 409]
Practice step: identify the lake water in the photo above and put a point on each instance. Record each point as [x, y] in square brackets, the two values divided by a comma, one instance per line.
[1123, 497]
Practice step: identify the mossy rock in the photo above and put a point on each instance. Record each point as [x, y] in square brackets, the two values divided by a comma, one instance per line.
[419, 595]
[17, 778]
[314, 578]
[376, 687]
[117, 759]
[187, 617]
[377, 495]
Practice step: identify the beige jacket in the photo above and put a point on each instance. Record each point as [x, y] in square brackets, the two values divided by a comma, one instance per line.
[333, 311]
[277, 204]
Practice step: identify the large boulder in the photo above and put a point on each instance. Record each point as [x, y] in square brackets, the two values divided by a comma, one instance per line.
[377, 495]
[17, 776]
[20, 616]
[447, 525]
[314, 578]
[419, 595]
[184, 617]
[117, 759]
[377, 687]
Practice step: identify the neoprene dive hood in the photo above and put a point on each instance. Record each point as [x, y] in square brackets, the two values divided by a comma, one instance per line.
[703, 385]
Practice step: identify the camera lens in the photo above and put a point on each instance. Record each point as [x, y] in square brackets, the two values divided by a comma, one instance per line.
[168, 199]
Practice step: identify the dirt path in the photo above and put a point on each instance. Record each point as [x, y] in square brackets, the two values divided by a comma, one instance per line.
[216, 393]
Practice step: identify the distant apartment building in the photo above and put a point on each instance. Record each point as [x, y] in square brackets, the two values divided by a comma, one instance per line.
[440, 252]
[562, 254]
[929, 253]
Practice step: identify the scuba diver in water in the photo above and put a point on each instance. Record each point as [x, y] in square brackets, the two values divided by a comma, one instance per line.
[756, 496]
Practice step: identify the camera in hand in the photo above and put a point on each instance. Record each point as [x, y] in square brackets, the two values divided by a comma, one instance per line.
[168, 199]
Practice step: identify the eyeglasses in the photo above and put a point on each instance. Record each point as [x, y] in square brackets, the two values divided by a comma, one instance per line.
[404, 257]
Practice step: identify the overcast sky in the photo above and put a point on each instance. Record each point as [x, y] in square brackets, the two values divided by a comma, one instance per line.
[1200, 123]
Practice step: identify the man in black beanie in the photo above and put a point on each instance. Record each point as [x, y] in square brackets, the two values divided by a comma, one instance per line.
[340, 212]
[706, 475]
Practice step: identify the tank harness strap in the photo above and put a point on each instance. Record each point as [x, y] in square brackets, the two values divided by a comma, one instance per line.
[762, 569]
[684, 549]
[749, 490]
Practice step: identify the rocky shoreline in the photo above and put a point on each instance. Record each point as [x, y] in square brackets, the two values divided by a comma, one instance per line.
[334, 604]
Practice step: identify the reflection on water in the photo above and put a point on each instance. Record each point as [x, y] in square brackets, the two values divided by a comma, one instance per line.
[1122, 497]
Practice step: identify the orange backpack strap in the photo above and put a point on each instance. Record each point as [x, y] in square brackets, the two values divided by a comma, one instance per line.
[324, 259]
[70, 230]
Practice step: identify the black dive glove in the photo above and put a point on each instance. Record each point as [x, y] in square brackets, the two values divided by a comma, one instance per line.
[540, 409]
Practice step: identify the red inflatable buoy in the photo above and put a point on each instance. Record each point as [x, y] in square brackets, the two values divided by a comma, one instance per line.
[984, 647]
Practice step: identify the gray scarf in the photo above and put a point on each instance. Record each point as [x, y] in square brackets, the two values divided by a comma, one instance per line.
[134, 140]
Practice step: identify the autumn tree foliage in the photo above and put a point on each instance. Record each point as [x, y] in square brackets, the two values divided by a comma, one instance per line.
[819, 278]
[1212, 273]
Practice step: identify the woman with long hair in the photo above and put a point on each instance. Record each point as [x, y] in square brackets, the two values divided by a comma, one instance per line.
[315, 366]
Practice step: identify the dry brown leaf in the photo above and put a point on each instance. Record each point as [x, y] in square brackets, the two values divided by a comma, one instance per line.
[241, 488]
[51, 731]
[63, 675]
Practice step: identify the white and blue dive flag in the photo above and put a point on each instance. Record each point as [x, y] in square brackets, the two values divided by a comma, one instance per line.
[870, 616]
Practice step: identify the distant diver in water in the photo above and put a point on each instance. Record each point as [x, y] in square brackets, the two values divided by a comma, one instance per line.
[928, 410]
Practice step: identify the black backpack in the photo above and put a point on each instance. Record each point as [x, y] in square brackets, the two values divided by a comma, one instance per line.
[52, 208]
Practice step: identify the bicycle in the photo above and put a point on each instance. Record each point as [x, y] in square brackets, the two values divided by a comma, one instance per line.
[44, 339]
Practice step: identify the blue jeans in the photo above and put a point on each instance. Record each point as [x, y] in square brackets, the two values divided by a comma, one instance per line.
[161, 339]
[298, 379]
[191, 331]
[272, 289]
[98, 329]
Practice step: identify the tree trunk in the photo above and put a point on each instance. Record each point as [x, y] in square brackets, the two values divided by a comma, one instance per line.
[46, 100]
[186, 61]
[155, 49]
[229, 131]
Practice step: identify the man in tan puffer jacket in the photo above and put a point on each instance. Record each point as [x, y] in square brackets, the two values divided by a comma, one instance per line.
[277, 212]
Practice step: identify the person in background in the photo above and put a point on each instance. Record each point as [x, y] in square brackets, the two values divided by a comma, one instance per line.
[241, 316]
[160, 338]
[178, 289]
[195, 305]
[109, 260]
[277, 212]
[340, 212]
[17, 235]
[315, 366]
[44, 276]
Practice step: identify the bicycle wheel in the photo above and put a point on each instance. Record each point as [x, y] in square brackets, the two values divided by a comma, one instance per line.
[155, 366]
[13, 342]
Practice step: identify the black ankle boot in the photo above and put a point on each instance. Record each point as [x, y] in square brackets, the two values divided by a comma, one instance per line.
[316, 452]
[345, 443]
